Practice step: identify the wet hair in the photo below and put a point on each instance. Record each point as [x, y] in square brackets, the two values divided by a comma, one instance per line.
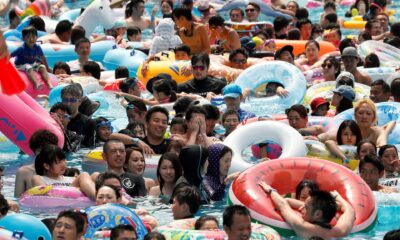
[300, 109]
[212, 112]
[312, 42]
[188, 195]
[62, 65]
[71, 172]
[217, 21]
[75, 216]
[50, 154]
[114, 188]
[237, 51]
[137, 105]
[344, 105]
[353, 128]
[117, 230]
[228, 113]
[181, 105]
[201, 57]
[381, 82]
[41, 138]
[60, 106]
[182, 48]
[154, 236]
[4, 207]
[81, 40]
[372, 61]
[77, 33]
[182, 12]
[311, 184]
[12, 15]
[176, 145]
[174, 159]
[294, 34]
[131, 126]
[330, 5]
[335, 63]
[384, 148]
[29, 30]
[362, 142]
[165, 87]
[324, 201]
[374, 160]
[121, 72]
[63, 26]
[74, 90]
[156, 109]
[108, 142]
[133, 31]
[38, 23]
[194, 109]
[392, 235]
[394, 41]
[229, 214]
[280, 23]
[201, 220]
[179, 120]
[105, 176]
[93, 68]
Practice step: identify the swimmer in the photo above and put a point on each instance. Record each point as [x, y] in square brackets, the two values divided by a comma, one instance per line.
[206, 223]
[364, 148]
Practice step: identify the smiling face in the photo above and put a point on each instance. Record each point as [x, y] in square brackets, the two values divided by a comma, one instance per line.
[167, 171]
[30, 40]
[136, 163]
[240, 228]
[230, 123]
[157, 125]
[252, 13]
[166, 8]
[115, 155]
[366, 149]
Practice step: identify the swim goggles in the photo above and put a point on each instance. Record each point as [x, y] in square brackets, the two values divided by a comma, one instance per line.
[105, 124]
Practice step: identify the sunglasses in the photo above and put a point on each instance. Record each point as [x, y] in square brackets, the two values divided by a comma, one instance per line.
[239, 61]
[326, 65]
[198, 68]
[70, 100]
[250, 10]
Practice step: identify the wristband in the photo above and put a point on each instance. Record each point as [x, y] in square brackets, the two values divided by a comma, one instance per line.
[271, 190]
[135, 141]
[346, 161]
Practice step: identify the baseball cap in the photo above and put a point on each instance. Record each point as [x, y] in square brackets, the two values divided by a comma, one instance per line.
[316, 102]
[350, 52]
[232, 90]
[346, 92]
[281, 50]
[203, 5]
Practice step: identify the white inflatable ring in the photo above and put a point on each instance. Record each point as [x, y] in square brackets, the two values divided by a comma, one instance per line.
[288, 138]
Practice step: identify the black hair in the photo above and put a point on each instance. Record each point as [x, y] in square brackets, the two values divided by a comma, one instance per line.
[235, 9]
[395, 88]
[63, 26]
[103, 177]
[392, 235]
[201, 57]
[374, 160]
[365, 35]
[49, 222]
[280, 23]
[189, 195]
[181, 105]
[165, 87]
[372, 61]
[384, 148]
[381, 82]
[41, 138]
[182, 12]
[60, 106]
[331, 18]
[71, 172]
[353, 128]
[38, 23]
[325, 202]
[300, 109]
[344, 105]
[50, 154]
[62, 65]
[182, 48]
[311, 184]
[131, 4]
[201, 220]
[336, 64]
[74, 90]
[237, 51]
[77, 33]
[4, 206]
[330, 5]
[362, 142]
[114, 188]
[212, 112]
[127, 83]
[93, 68]
[115, 231]
[12, 14]
[312, 42]
[129, 151]
[154, 235]
[135, 124]
[194, 109]
[395, 29]
[121, 72]
[228, 113]
[216, 21]
[347, 42]
[108, 142]
[229, 214]
[81, 40]
[75, 216]
[170, 3]
[294, 34]
[301, 13]
[370, 22]
[179, 120]
[133, 31]
[394, 41]
[136, 104]
[255, 5]
[156, 109]
[174, 159]
[29, 30]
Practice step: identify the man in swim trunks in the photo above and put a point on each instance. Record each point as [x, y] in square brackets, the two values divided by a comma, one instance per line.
[350, 59]
[237, 222]
[62, 34]
[134, 15]
[318, 211]
[194, 35]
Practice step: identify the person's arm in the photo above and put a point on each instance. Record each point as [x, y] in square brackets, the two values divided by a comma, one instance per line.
[333, 148]
[45, 63]
[323, 137]
[294, 203]
[346, 220]
[155, 191]
[312, 130]
[384, 133]
[145, 66]
[234, 40]
[37, 181]
[205, 41]
[145, 101]
[129, 140]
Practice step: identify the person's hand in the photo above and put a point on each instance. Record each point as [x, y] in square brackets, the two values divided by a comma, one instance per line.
[13, 206]
[231, 177]
[280, 91]
[119, 94]
[264, 186]
[141, 211]
[193, 126]
[146, 148]
[210, 95]
[246, 93]
[154, 11]
[145, 68]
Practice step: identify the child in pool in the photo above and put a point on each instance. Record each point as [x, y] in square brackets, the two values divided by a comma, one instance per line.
[134, 34]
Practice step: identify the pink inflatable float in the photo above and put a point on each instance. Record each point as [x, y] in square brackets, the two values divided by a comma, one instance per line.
[44, 90]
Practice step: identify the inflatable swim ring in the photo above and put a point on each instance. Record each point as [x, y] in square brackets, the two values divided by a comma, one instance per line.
[353, 24]
[123, 57]
[21, 116]
[110, 215]
[299, 46]
[173, 68]
[28, 226]
[285, 174]
[288, 138]
[317, 149]
[6, 235]
[389, 55]
[31, 90]
[276, 71]
[374, 73]
[184, 229]
[324, 90]
[93, 162]
[53, 199]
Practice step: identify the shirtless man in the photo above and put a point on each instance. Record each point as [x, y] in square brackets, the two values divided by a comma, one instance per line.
[318, 211]
[350, 60]
[194, 35]
[134, 15]
[62, 35]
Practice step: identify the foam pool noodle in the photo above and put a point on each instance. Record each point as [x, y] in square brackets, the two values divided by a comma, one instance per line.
[10, 80]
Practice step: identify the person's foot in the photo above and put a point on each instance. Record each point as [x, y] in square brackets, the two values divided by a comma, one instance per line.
[48, 83]
[38, 86]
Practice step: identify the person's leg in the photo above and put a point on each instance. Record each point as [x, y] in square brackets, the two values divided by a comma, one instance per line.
[85, 183]
[45, 76]
[32, 78]
[23, 179]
